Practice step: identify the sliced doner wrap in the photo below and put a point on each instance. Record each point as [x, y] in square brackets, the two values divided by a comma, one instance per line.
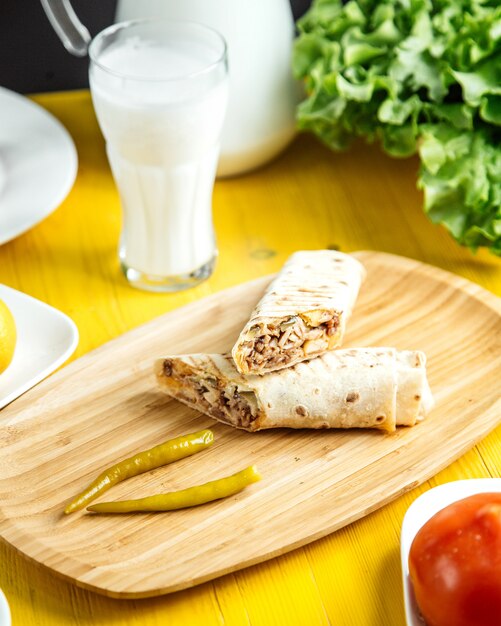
[356, 388]
[302, 314]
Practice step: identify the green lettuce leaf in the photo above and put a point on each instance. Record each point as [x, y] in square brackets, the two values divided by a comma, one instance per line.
[419, 76]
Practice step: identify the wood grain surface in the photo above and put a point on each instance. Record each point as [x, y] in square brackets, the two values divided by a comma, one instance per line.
[104, 406]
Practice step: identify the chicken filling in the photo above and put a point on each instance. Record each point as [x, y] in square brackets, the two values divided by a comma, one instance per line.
[276, 345]
[225, 402]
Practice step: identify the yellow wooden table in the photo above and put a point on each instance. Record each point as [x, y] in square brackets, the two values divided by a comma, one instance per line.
[307, 198]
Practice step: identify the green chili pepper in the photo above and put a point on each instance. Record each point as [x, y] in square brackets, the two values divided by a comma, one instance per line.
[192, 496]
[165, 453]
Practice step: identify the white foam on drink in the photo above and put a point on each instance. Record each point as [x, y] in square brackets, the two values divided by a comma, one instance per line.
[144, 60]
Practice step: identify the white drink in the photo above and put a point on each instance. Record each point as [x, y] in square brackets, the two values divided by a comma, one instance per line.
[162, 130]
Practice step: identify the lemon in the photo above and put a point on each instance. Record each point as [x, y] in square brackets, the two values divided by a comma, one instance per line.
[8, 336]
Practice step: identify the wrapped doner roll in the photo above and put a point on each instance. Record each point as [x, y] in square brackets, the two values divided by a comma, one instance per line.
[302, 314]
[356, 388]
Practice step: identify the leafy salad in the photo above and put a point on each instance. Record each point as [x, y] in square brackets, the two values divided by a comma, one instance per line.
[420, 76]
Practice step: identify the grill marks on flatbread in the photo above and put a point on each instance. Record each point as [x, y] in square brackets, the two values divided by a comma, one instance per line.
[302, 314]
[283, 370]
[356, 388]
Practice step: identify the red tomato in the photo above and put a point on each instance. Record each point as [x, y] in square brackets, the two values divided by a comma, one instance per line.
[455, 564]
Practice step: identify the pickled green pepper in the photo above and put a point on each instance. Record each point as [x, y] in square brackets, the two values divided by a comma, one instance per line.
[213, 490]
[165, 453]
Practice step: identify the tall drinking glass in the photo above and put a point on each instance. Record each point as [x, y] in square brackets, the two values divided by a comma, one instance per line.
[160, 90]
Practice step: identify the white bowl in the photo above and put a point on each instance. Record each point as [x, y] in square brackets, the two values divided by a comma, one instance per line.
[419, 512]
[4, 610]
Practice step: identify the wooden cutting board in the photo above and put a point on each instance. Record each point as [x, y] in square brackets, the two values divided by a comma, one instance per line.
[105, 406]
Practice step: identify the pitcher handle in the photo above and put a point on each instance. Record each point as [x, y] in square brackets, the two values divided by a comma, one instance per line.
[69, 28]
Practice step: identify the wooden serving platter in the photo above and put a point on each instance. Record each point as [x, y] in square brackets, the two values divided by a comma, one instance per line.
[105, 406]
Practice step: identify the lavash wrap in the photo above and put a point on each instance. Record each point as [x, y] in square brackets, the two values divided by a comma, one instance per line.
[354, 388]
[312, 288]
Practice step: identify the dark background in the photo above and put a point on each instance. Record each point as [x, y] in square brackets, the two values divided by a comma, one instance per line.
[32, 58]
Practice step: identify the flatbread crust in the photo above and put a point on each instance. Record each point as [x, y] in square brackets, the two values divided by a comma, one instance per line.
[302, 314]
[356, 388]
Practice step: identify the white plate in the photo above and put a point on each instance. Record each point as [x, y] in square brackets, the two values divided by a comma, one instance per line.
[419, 512]
[4, 610]
[45, 339]
[38, 164]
